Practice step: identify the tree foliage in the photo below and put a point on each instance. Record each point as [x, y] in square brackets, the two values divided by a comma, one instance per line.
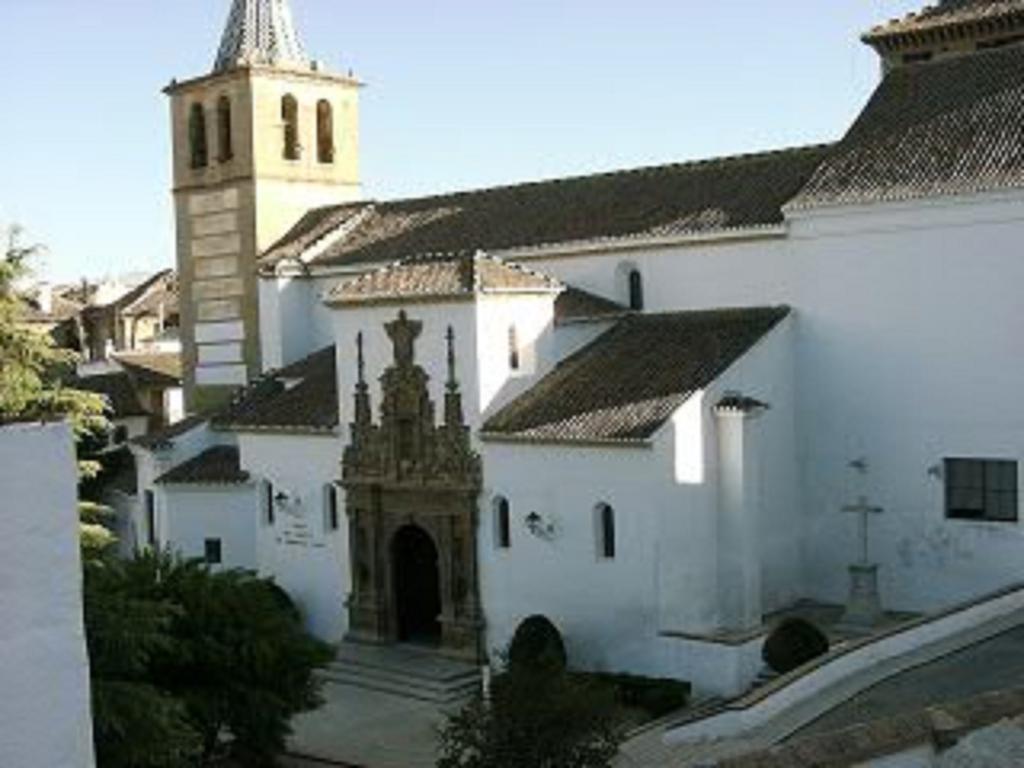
[31, 365]
[192, 665]
[534, 719]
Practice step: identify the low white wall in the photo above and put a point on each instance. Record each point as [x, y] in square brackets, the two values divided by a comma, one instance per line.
[45, 720]
[861, 667]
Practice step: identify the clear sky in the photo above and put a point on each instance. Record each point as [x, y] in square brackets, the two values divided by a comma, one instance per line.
[462, 93]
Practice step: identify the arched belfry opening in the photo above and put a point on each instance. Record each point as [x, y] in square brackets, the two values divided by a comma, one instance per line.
[417, 586]
[412, 482]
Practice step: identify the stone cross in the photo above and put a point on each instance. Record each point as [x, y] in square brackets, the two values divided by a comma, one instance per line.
[865, 511]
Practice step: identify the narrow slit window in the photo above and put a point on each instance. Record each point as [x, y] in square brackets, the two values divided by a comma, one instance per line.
[268, 503]
[606, 531]
[514, 359]
[636, 290]
[502, 523]
[331, 507]
[150, 498]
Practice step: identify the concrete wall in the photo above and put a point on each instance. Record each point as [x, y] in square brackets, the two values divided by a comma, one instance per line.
[45, 718]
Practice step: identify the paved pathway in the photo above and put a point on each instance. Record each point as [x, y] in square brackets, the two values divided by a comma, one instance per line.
[367, 729]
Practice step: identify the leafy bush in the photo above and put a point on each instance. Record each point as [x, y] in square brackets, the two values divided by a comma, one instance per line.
[190, 665]
[535, 718]
[655, 696]
[792, 644]
[537, 645]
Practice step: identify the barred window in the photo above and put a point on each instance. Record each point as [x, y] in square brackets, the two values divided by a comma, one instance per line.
[981, 489]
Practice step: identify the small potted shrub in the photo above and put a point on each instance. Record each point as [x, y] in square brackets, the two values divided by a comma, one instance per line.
[792, 644]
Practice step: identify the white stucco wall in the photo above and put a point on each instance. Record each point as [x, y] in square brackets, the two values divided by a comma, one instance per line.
[188, 515]
[904, 356]
[299, 551]
[45, 718]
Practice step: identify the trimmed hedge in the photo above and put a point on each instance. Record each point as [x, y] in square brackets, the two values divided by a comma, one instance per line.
[792, 644]
[537, 645]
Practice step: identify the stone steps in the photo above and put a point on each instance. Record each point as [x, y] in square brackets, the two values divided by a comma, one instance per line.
[411, 673]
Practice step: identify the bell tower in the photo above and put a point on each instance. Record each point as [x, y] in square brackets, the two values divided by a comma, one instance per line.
[267, 135]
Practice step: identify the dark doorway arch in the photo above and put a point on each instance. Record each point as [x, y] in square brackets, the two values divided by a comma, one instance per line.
[417, 586]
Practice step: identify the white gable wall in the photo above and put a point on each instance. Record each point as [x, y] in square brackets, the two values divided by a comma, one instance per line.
[191, 514]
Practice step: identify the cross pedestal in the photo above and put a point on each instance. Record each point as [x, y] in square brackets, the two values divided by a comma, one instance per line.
[864, 607]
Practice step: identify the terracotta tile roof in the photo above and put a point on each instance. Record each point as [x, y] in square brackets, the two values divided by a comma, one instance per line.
[153, 368]
[951, 13]
[160, 295]
[62, 309]
[442, 277]
[953, 126]
[574, 304]
[117, 389]
[302, 397]
[164, 438]
[627, 383]
[705, 196]
[219, 465]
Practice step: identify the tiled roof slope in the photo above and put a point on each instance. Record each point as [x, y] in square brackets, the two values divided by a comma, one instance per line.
[954, 126]
[219, 465]
[153, 368]
[442, 277]
[721, 194]
[949, 13]
[302, 397]
[575, 304]
[165, 437]
[626, 384]
[117, 389]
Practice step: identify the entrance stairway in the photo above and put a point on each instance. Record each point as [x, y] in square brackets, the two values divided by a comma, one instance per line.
[410, 672]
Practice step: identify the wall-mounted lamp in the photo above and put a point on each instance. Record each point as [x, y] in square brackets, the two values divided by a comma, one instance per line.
[539, 527]
[935, 471]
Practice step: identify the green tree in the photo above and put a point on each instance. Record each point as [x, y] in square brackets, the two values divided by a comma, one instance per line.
[31, 366]
[535, 718]
[225, 653]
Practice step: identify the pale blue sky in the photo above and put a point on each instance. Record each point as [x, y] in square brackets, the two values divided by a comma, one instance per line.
[462, 93]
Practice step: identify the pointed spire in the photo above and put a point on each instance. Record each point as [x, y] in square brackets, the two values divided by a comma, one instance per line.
[260, 32]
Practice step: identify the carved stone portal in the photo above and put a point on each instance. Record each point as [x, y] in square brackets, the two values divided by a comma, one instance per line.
[411, 495]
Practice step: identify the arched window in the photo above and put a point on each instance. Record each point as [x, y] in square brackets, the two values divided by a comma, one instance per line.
[225, 150]
[636, 290]
[605, 531]
[502, 523]
[513, 349]
[324, 131]
[197, 136]
[290, 118]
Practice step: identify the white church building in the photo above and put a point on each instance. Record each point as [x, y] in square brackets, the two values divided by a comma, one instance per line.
[636, 403]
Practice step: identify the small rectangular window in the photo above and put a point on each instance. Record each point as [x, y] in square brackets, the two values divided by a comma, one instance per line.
[502, 523]
[981, 489]
[211, 551]
[150, 499]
